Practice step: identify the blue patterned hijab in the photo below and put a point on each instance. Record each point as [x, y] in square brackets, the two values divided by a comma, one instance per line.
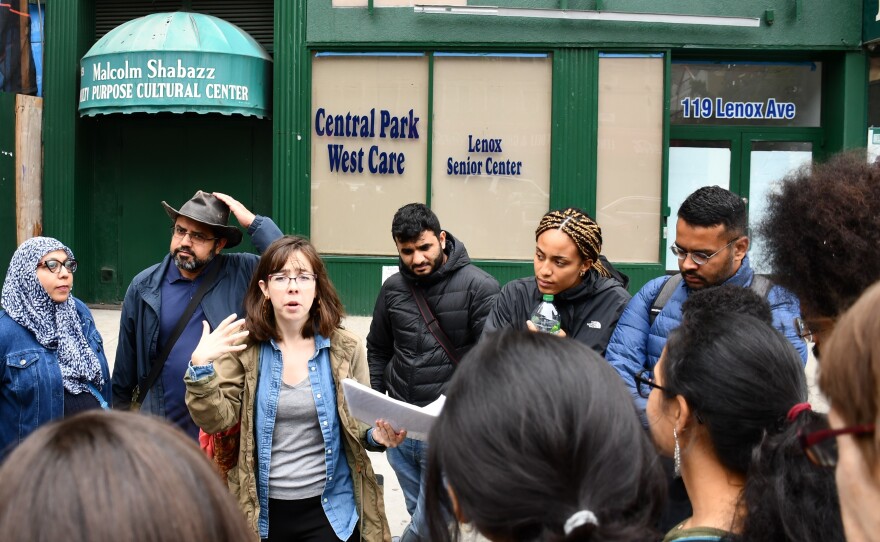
[56, 326]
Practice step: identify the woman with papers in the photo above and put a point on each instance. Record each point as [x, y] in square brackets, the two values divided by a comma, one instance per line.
[302, 469]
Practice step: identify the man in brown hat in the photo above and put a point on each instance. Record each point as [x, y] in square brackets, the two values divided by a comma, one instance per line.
[165, 304]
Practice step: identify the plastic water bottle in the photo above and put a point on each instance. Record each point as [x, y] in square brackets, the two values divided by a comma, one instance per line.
[545, 316]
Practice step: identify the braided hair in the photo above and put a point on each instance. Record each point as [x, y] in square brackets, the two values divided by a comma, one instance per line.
[583, 230]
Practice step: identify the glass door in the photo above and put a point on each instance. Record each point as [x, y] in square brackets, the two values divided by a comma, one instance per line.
[692, 165]
[748, 163]
[765, 163]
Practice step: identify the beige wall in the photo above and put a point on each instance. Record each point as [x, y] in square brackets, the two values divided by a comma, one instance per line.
[495, 213]
[351, 212]
[630, 157]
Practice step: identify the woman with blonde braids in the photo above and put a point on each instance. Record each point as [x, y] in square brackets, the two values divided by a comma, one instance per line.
[588, 293]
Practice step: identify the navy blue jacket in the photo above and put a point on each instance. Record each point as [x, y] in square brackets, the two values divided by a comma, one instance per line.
[139, 323]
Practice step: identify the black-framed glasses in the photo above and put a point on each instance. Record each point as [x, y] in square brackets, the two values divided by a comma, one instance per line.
[805, 329]
[282, 281]
[699, 258]
[56, 265]
[195, 237]
[820, 443]
[645, 384]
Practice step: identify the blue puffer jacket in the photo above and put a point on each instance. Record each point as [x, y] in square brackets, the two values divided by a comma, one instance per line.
[636, 344]
[139, 323]
[31, 388]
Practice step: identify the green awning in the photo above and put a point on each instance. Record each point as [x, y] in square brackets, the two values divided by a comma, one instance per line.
[178, 62]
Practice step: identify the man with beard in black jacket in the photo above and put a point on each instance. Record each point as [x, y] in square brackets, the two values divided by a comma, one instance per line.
[407, 359]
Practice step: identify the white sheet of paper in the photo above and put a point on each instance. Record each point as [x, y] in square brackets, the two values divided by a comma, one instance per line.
[368, 405]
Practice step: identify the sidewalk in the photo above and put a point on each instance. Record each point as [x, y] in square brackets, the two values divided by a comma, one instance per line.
[107, 321]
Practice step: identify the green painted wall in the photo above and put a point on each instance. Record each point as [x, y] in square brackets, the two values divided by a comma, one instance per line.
[7, 180]
[797, 25]
[826, 31]
[141, 160]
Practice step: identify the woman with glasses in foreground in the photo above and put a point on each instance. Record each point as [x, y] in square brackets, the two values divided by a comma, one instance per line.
[52, 360]
[538, 440]
[302, 472]
[727, 402]
[850, 378]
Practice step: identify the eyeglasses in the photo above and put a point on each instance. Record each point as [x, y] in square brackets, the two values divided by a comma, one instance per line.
[645, 384]
[820, 444]
[805, 329]
[55, 266]
[699, 258]
[196, 237]
[281, 281]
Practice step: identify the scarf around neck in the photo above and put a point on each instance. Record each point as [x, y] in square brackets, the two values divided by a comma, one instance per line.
[56, 326]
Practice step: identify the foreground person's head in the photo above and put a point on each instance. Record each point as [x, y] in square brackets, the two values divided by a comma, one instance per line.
[539, 440]
[850, 378]
[111, 476]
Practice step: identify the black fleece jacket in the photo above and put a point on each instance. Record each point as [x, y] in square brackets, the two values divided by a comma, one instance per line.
[588, 311]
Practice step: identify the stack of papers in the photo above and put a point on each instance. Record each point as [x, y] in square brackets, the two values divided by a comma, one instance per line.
[368, 405]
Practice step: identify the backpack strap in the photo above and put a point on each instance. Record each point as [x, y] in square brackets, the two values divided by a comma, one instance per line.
[663, 296]
[761, 285]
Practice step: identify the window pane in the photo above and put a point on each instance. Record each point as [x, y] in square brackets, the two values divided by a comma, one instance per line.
[770, 162]
[630, 156]
[692, 165]
[369, 148]
[750, 94]
[491, 150]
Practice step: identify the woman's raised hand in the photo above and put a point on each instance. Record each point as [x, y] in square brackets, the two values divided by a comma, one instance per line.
[214, 344]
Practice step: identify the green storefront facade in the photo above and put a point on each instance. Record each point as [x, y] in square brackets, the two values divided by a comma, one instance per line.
[491, 120]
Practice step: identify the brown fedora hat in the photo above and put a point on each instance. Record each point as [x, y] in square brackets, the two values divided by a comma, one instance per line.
[205, 208]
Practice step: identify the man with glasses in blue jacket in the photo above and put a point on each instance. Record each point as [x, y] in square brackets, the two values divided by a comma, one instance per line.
[154, 310]
[711, 244]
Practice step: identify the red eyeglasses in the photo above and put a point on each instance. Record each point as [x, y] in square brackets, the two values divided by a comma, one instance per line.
[820, 445]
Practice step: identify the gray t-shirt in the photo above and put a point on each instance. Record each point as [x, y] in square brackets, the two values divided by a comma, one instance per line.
[297, 469]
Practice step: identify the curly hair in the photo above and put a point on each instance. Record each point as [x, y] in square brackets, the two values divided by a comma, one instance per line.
[822, 232]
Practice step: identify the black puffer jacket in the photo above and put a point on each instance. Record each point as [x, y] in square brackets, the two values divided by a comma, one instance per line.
[588, 311]
[405, 359]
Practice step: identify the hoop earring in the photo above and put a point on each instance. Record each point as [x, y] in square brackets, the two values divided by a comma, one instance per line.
[676, 456]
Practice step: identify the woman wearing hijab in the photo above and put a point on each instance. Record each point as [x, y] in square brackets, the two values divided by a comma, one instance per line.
[588, 293]
[52, 360]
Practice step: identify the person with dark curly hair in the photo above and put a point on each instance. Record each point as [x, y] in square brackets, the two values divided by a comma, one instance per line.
[821, 235]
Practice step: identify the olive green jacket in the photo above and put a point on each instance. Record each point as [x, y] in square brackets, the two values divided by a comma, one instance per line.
[217, 402]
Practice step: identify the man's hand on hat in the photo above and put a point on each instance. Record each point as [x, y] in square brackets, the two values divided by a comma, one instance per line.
[244, 217]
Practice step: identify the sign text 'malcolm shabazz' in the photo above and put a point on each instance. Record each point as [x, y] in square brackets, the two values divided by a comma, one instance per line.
[374, 160]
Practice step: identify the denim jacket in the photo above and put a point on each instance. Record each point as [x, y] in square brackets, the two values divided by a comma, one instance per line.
[31, 388]
[338, 495]
[244, 386]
